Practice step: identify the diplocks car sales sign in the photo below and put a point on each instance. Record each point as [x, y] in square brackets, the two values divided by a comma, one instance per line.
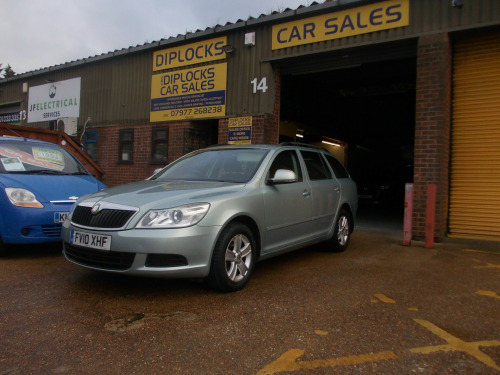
[191, 93]
[54, 100]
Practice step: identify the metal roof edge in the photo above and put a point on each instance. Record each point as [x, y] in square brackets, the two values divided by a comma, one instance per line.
[218, 29]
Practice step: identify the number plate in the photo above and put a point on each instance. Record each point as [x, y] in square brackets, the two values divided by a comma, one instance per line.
[59, 217]
[94, 241]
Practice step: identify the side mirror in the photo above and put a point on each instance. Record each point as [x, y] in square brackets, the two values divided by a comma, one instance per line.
[283, 176]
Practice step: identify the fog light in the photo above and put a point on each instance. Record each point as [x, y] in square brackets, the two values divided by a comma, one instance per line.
[25, 231]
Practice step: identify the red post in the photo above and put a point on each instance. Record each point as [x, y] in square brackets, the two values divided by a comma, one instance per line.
[408, 217]
[430, 215]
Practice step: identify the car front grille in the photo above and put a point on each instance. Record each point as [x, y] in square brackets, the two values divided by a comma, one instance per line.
[110, 260]
[109, 218]
[52, 231]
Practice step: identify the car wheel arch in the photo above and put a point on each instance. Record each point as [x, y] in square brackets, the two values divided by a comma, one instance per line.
[346, 207]
[250, 224]
[239, 239]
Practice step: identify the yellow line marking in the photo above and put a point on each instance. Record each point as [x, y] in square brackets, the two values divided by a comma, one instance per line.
[288, 361]
[487, 293]
[455, 344]
[478, 251]
[384, 298]
[321, 332]
[488, 265]
[412, 309]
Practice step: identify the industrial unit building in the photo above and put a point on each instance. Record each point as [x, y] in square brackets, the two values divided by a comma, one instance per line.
[400, 90]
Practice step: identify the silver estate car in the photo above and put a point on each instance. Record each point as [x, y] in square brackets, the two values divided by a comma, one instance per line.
[214, 213]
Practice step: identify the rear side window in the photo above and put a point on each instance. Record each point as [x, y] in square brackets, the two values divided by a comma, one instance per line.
[316, 168]
[337, 167]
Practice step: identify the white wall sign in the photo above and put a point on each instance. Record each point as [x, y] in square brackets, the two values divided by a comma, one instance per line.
[54, 100]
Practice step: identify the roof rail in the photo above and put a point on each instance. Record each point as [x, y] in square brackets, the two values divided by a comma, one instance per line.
[300, 144]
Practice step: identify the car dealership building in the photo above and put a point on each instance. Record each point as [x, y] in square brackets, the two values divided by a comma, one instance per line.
[399, 90]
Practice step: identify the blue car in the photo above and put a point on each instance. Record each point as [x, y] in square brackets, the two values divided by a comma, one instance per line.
[39, 183]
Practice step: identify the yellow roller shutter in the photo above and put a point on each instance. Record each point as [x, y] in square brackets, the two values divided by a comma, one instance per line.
[475, 172]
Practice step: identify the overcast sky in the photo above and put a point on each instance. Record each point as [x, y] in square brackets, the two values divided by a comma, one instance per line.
[35, 34]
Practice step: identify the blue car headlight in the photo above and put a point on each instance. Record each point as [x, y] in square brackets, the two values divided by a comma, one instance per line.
[22, 198]
[176, 217]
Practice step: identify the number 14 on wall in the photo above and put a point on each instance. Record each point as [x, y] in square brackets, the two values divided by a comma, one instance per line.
[261, 86]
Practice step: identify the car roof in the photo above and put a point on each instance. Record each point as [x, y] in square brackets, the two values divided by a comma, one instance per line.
[288, 145]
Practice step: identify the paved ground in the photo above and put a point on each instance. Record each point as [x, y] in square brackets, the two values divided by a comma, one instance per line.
[378, 308]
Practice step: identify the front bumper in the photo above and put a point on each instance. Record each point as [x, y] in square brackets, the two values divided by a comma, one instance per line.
[22, 225]
[169, 253]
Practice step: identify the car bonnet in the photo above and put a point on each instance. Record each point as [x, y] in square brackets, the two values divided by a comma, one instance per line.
[52, 187]
[149, 194]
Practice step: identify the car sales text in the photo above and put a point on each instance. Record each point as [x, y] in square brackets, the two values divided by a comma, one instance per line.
[185, 82]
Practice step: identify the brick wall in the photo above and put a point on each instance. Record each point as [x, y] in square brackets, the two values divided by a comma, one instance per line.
[432, 130]
[116, 172]
[265, 129]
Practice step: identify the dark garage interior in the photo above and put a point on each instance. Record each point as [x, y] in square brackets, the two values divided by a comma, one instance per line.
[370, 108]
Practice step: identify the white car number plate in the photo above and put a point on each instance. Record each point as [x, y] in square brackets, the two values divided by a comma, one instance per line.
[95, 241]
[59, 217]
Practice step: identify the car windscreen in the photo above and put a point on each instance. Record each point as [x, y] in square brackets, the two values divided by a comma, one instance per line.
[37, 158]
[226, 165]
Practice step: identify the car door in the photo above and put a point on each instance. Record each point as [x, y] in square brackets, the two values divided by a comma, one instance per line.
[325, 192]
[287, 205]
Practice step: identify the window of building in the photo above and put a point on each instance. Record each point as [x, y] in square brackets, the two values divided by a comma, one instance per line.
[91, 144]
[126, 146]
[159, 145]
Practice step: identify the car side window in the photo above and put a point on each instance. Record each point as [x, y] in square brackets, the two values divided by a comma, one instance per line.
[316, 168]
[289, 160]
[337, 167]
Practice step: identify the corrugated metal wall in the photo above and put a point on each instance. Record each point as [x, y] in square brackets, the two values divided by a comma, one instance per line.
[475, 172]
[116, 86]
[426, 16]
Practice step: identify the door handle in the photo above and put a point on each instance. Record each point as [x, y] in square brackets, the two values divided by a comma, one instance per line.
[306, 193]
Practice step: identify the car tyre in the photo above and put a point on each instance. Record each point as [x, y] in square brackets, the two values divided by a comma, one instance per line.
[3, 248]
[342, 233]
[233, 259]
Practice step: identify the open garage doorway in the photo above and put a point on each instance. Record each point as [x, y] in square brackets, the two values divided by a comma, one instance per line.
[364, 111]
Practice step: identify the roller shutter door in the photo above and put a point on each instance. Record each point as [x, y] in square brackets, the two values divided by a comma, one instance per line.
[475, 171]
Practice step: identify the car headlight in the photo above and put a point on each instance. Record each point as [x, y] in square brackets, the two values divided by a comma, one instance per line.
[177, 217]
[22, 198]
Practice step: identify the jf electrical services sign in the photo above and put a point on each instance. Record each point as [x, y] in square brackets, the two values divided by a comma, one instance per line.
[365, 19]
[54, 100]
[191, 93]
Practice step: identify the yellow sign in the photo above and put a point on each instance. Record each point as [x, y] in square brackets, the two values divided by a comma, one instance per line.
[189, 93]
[365, 19]
[239, 130]
[189, 54]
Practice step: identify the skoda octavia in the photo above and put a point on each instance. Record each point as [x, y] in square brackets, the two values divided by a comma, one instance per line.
[214, 213]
